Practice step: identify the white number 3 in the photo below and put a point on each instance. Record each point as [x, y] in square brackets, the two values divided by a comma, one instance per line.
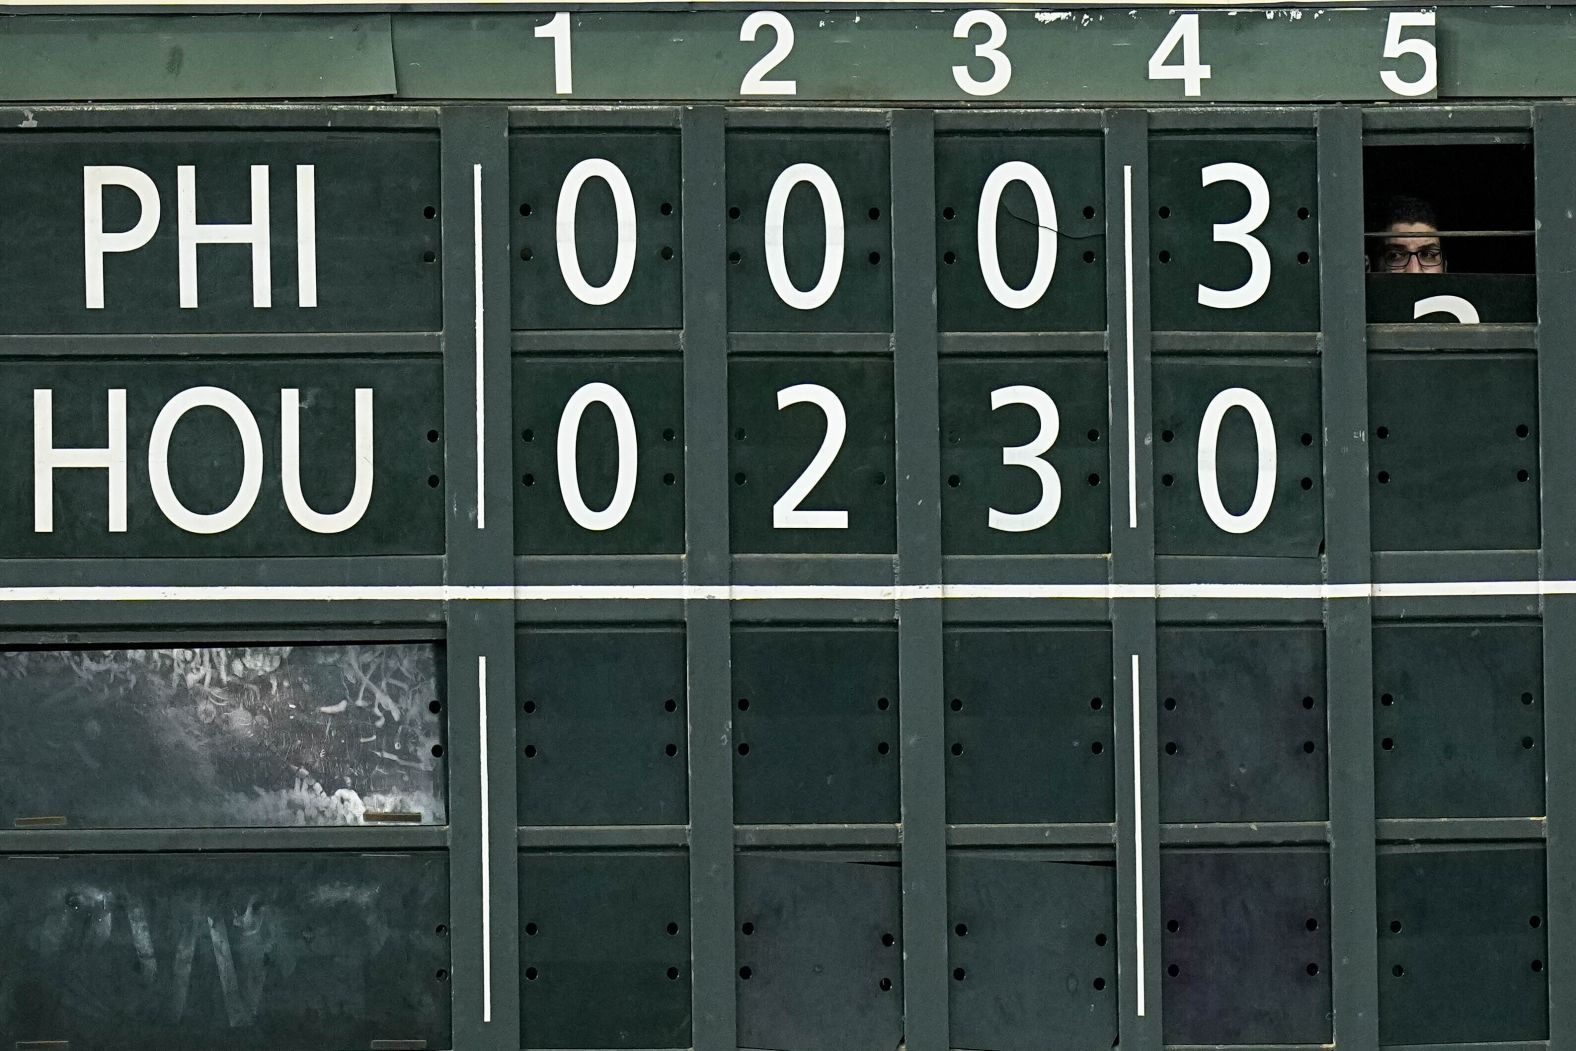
[1000, 64]
[1241, 233]
[1030, 456]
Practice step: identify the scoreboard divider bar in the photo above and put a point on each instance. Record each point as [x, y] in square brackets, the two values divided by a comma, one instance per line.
[916, 390]
[1555, 180]
[1348, 561]
[1133, 567]
[709, 699]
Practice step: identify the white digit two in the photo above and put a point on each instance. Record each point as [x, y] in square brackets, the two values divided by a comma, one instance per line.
[1032, 457]
[1240, 233]
[786, 512]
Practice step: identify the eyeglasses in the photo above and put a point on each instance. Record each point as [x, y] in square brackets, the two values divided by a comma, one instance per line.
[1429, 257]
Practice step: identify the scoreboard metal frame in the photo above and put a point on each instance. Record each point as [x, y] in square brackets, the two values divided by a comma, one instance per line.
[492, 586]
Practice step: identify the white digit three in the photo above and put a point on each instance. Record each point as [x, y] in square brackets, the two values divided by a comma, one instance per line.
[776, 261]
[568, 462]
[1045, 220]
[1208, 440]
[786, 513]
[1000, 64]
[624, 215]
[1240, 233]
[1031, 456]
[754, 81]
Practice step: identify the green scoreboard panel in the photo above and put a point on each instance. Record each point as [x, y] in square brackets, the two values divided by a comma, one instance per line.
[561, 554]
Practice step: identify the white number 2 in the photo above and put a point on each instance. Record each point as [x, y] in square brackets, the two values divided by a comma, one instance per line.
[1241, 233]
[1189, 71]
[1030, 456]
[556, 29]
[786, 513]
[1000, 64]
[1395, 47]
[754, 82]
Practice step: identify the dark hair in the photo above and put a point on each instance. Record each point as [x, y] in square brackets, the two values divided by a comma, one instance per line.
[1404, 209]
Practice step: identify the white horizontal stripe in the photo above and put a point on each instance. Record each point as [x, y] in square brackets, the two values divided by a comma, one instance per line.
[770, 592]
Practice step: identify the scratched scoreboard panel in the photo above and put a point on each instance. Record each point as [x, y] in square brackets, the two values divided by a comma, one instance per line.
[1234, 724]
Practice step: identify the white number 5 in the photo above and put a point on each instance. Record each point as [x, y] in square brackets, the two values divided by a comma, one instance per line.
[1030, 456]
[1241, 233]
[1395, 47]
[1000, 64]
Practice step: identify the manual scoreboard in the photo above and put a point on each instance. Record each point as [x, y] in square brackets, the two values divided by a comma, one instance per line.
[988, 559]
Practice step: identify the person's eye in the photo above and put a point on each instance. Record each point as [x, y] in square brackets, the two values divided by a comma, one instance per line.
[1395, 255]
[1432, 254]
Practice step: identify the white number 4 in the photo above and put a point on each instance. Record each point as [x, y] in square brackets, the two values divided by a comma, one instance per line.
[1189, 71]
[1395, 47]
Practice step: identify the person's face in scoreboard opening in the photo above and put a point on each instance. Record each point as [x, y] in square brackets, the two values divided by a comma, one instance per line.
[1411, 244]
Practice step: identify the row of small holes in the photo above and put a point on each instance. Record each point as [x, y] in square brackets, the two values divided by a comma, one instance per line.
[666, 208]
[1302, 257]
[1170, 703]
[529, 435]
[1388, 699]
[1310, 925]
[736, 213]
[738, 257]
[876, 478]
[532, 974]
[882, 704]
[1169, 479]
[1172, 748]
[954, 481]
[1095, 703]
[1164, 212]
[882, 748]
[949, 257]
[955, 439]
[950, 213]
[1382, 432]
[526, 255]
[669, 478]
[532, 930]
[529, 707]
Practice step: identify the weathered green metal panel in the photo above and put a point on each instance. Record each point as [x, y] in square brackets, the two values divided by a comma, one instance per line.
[602, 732]
[374, 203]
[773, 448]
[1242, 724]
[1246, 947]
[820, 953]
[1029, 733]
[815, 724]
[1072, 170]
[1187, 246]
[605, 950]
[974, 435]
[648, 161]
[1455, 451]
[652, 390]
[1289, 388]
[185, 952]
[857, 163]
[223, 736]
[1496, 299]
[206, 455]
[1462, 945]
[1033, 951]
[1458, 720]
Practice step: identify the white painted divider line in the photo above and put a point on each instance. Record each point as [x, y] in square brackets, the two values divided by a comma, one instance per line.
[481, 700]
[1138, 837]
[481, 375]
[1132, 394]
[768, 592]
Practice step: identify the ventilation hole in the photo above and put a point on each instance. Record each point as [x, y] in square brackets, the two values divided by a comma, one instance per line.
[670, 705]
[1536, 921]
[525, 210]
[948, 214]
[1168, 479]
[1088, 257]
[957, 748]
[1303, 257]
[1526, 742]
[432, 436]
[1165, 257]
[1170, 704]
[666, 252]
[954, 481]
[1522, 430]
[744, 704]
[883, 748]
[949, 258]
[441, 975]
[530, 707]
[885, 985]
[429, 256]
[1386, 699]
[1313, 969]
[1395, 926]
[528, 435]
[673, 929]
[1096, 703]
[1303, 213]
[957, 704]
[429, 212]
[1164, 212]
[530, 751]
[1097, 748]
[740, 434]
[961, 930]
[1537, 966]
[1173, 926]
[1173, 970]
[1398, 971]
[1167, 436]
[531, 929]
[1088, 211]
[740, 478]
[530, 974]
[1387, 744]
[1312, 924]
[1307, 439]
[875, 258]
[1522, 475]
[1306, 483]
[434, 707]
[672, 750]
[1094, 434]
[1171, 748]
[887, 939]
[1307, 702]
[882, 704]
[442, 930]
[1309, 747]
[1384, 477]
[733, 213]
[1526, 698]
[744, 748]
[528, 479]
[1381, 432]
[1099, 984]
[879, 478]
[669, 478]
[874, 213]
[437, 751]
[1094, 479]
[666, 208]
[433, 481]
[734, 257]
[745, 972]
[747, 929]
[958, 974]
[1100, 939]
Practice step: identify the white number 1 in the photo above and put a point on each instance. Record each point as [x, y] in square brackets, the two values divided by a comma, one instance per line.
[556, 29]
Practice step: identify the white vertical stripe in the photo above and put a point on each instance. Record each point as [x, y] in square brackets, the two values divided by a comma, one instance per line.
[306, 235]
[1132, 394]
[481, 376]
[1138, 838]
[481, 700]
